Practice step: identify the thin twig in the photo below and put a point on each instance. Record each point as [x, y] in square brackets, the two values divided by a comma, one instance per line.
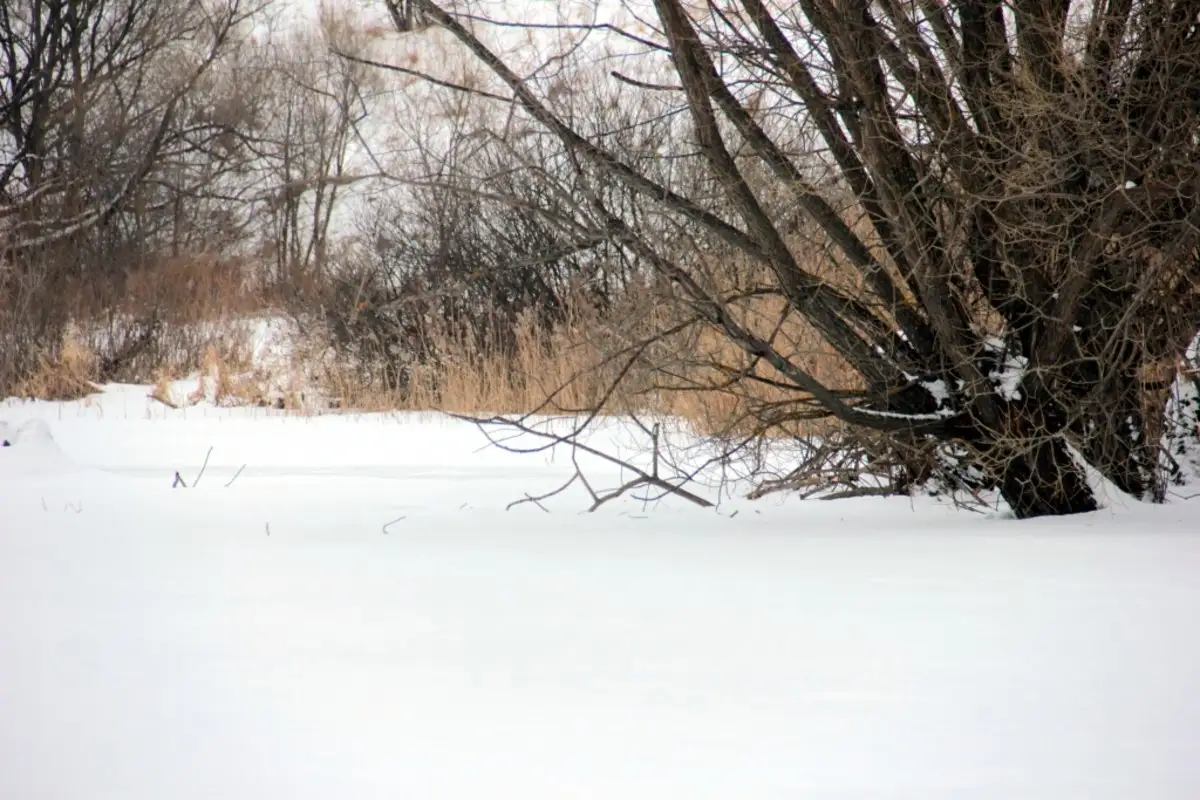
[658, 87]
[642, 478]
[537, 499]
[859, 491]
[647, 480]
[235, 476]
[203, 467]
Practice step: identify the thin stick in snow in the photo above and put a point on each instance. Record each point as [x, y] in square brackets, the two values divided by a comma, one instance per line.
[203, 467]
[235, 476]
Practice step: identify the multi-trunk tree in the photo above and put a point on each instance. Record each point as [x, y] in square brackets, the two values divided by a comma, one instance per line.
[1014, 187]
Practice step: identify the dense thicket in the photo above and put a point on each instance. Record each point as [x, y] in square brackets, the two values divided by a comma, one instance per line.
[119, 144]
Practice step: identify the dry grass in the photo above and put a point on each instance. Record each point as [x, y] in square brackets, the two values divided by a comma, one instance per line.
[161, 391]
[201, 304]
[560, 370]
[195, 304]
[584, 364]
[227, 376]
[182, 290]
[62, 374]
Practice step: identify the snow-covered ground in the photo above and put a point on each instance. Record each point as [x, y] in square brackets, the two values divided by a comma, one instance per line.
[356, 616]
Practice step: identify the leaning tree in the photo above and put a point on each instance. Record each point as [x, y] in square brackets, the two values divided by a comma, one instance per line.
[1013, 185]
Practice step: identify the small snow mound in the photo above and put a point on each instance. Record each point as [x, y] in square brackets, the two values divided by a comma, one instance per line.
[31, 450]
[35, 431]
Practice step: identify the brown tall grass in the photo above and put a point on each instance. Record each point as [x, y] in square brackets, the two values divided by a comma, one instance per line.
[64, 373]
[158, 319]
[616, 361]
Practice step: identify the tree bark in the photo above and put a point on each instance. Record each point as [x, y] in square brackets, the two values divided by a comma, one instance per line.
[1044, 481]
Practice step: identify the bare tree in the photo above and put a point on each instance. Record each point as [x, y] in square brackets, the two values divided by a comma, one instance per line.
[314, 101]
[405, 15]
[89, 98]
[104, 108]
[1014, 187]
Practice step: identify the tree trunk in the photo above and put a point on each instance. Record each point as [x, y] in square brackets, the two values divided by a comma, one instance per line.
[1122, 449]
[1045, 480]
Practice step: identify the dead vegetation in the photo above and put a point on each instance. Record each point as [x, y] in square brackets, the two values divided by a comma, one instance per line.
[963, 247]
[66, 373]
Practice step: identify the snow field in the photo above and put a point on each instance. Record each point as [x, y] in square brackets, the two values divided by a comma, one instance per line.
[396, 633]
